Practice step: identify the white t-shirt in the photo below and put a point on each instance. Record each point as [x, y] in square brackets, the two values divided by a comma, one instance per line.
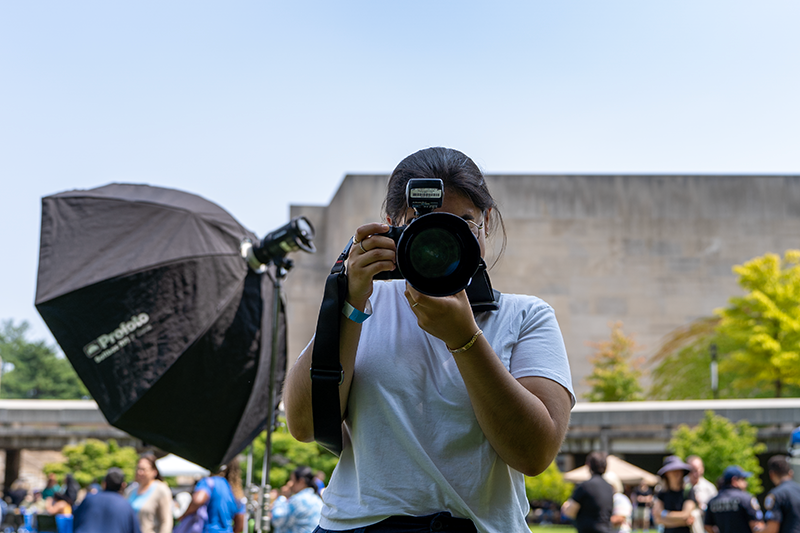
[622, 507]
[415, 444]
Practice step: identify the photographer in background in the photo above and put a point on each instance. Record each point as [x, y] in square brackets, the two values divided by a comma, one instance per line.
[444, 409]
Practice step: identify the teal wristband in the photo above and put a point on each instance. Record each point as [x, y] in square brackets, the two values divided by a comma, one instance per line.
[354, 314]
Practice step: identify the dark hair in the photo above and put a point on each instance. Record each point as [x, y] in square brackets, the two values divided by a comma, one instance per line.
[232, 472]
[458, 173]
[307, 475]
[151, 458]
[114, 479]
[779, 464]
[69, 493]
[596, 461]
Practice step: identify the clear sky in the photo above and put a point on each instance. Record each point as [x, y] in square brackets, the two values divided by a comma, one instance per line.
[257, 105]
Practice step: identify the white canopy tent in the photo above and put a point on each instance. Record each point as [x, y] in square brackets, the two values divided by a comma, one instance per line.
[172, 465]
[629, 474]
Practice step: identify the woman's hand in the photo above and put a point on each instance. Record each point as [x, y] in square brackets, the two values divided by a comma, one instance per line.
[370, 254]
[448, 318]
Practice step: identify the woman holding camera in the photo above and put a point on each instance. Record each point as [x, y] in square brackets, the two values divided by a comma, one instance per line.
[445, 410]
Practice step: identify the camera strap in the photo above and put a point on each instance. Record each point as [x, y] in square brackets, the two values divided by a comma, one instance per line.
[326, 371]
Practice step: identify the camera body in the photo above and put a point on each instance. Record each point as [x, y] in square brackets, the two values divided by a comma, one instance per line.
[436, 253]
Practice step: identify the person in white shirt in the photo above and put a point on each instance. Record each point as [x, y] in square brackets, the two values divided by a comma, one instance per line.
[704, 490]
[622, 512]
[445, 410]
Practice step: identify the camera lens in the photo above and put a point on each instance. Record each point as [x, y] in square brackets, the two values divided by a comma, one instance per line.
[438, 254]
[434, 253]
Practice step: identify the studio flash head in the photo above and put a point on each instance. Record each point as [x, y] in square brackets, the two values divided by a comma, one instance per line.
[297, 234]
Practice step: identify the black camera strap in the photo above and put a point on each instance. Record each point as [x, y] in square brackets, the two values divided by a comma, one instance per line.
[326, 371]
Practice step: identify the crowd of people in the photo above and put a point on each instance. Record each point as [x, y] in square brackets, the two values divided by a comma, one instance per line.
[146, 504]
[684, 501]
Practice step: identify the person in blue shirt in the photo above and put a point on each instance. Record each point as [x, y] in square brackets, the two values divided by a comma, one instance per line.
[733, 510]
[108, 510]
[298, 508]
[223, 497]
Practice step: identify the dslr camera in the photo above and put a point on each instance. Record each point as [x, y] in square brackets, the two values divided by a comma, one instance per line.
[436, 252]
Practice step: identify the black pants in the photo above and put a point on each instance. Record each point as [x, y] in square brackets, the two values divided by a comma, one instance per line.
[439, 522]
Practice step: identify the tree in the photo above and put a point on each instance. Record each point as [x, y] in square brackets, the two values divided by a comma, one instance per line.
[615, 376]
[549, 486]
[89, 461]
[757, 338]
[721, 443]
[37, 372]
[683, 364]
[287, 454]
[765, 323]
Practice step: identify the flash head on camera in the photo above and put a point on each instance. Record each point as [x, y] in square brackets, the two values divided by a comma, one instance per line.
[424, 195]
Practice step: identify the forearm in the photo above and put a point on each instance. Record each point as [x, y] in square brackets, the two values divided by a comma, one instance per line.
[238, 523]
[198, 499]
[297, 388]
[674, 518]
[570, 509]
[525, 421]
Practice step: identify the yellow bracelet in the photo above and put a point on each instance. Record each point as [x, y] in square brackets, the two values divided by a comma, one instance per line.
[466, 346]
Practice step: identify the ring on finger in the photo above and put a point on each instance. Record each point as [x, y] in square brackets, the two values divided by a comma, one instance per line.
[361, 245]
[414, 304]
[355, 240]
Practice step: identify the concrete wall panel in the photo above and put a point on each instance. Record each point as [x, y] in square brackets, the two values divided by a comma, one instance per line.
[654, 252]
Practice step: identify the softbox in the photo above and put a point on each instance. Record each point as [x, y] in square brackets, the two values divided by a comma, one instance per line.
[145, 290]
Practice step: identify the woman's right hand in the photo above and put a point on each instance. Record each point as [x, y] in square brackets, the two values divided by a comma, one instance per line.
[370, 254]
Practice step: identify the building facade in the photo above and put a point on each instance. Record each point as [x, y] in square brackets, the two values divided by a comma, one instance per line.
[651, 251]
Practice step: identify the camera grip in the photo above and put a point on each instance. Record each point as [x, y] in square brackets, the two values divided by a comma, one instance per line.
[394, 233]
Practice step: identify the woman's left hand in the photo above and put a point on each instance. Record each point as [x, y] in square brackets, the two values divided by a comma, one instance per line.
[448, 318]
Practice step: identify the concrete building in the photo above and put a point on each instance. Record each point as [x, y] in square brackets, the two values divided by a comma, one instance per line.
[653, 252]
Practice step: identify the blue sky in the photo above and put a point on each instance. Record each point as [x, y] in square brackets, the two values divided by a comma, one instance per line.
[259, 105]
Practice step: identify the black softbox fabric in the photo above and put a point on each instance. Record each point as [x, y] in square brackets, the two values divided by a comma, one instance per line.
[145, 290]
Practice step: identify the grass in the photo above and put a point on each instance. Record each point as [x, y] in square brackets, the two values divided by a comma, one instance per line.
[558, 528]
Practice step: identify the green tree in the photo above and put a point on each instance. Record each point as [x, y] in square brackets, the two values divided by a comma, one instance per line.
[764, 324]
[89, 461]
[721, 443]
[682, 365]
[287, 454]
[615, 376]
[549, 485]
[36, 371]
[757, 338]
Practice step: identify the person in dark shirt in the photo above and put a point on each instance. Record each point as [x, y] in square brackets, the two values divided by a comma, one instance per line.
[642, 499]
[592, 501]
[673, 505]
[733, 510]
[782, 504]
[108, 510]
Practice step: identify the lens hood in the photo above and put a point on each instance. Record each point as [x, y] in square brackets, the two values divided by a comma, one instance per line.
[438, 254]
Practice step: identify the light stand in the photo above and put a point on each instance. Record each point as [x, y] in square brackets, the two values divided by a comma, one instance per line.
[298, 234]
[714, 371]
